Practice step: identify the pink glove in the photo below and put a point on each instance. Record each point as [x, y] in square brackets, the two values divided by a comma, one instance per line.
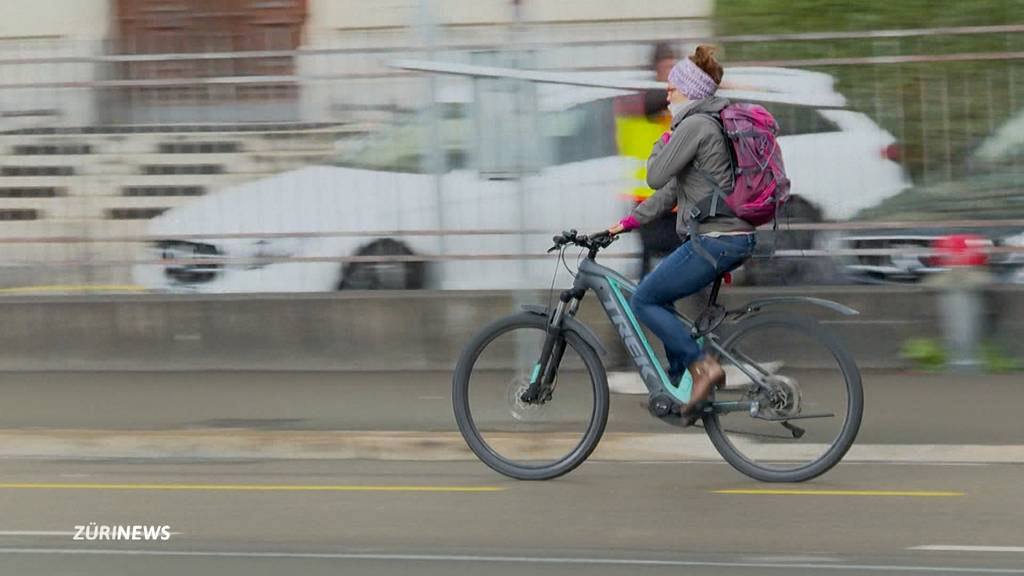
[665, 137]
[629, 223]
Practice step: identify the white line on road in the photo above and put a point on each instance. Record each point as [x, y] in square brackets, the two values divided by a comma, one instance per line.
[51, 533]
[845, 463]
[522, 560]
[35, 533]
[953, 548]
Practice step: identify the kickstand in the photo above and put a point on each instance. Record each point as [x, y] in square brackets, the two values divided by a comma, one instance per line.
[797, 431]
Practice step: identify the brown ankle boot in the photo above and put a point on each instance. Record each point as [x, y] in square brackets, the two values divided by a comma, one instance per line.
[706, 373]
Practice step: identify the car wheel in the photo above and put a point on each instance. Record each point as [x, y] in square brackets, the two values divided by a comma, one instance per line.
[384, 275]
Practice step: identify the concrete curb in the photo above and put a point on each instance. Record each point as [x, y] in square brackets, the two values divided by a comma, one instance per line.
[220, 444]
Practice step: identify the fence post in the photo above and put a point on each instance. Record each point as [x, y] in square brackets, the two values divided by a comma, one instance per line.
[961, 300]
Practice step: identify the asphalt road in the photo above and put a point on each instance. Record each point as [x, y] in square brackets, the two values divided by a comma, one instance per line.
[606, 518]
[458, 517]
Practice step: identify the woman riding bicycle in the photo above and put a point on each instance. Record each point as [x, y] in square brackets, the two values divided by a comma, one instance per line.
[687, 166]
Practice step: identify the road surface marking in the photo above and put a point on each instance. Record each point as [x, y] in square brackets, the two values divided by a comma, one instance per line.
[783, 492]
[248, 487]
[51, 533]
[892, 568]
[950, 548]
[35, 533]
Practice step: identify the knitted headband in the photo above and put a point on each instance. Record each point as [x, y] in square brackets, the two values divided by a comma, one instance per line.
[689, 79]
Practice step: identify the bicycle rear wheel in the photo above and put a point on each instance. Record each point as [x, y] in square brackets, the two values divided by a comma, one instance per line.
[815, 389]
[518, 439]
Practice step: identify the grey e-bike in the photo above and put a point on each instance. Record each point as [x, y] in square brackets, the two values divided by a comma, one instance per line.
[531, 396]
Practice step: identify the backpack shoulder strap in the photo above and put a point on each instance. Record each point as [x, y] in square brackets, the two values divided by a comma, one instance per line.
[715, 205]
[717, 118]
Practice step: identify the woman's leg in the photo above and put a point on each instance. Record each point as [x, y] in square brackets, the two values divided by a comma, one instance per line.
[681, 274]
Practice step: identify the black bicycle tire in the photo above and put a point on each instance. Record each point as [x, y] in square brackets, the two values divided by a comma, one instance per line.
[855, 406]
[464, 418]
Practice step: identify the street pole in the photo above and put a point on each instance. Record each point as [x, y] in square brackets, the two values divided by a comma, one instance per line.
[434, 158]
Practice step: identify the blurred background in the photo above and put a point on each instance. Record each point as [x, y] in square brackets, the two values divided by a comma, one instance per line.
[280, 146]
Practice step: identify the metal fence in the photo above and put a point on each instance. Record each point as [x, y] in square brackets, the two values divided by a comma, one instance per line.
[194, 164]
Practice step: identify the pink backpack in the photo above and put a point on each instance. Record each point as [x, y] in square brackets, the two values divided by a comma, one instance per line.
[761, 186]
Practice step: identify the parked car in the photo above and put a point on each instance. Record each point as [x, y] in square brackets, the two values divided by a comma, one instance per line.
[909, 268]
[576, 176]
[992, 188]
[380, 190]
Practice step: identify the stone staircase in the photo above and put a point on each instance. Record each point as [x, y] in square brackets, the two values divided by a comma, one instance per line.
[99, 182]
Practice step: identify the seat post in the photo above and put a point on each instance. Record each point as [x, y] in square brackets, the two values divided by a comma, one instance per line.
[713, 298]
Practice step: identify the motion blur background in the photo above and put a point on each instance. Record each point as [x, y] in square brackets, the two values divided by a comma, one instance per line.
[184, 147]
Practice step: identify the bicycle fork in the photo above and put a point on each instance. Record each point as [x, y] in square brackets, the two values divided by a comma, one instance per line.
[545, 371]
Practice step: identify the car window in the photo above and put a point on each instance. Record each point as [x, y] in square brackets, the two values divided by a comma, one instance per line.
[583, 132]
[797, 120]
[400, 146]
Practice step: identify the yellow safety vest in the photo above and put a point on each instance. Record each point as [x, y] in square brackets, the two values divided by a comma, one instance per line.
[636, 136]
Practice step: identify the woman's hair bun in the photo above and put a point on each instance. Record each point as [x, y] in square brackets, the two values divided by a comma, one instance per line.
[704, 58]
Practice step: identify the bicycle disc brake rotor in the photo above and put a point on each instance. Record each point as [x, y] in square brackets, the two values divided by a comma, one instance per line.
[784, 398]
[520, 410]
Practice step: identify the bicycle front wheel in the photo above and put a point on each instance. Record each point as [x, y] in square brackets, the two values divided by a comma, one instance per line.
[528, 441]
[805, 420]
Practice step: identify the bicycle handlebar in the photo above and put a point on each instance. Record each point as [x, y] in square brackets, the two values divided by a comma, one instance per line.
[593, 242]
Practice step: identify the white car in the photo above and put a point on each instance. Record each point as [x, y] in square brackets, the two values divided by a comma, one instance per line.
[991, 189]
[377, 199]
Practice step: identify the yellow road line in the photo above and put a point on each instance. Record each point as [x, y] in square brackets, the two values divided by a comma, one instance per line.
[783, 492]
[248, 487]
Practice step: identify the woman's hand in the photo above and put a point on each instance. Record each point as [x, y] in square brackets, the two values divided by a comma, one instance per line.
[625, 225]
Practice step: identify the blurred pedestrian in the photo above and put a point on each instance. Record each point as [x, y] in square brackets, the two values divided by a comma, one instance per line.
[662, 60]
[658, 237]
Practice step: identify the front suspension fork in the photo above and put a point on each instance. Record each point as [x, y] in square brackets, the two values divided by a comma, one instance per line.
[545, 371]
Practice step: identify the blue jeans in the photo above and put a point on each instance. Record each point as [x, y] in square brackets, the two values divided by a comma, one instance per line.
[682, 273]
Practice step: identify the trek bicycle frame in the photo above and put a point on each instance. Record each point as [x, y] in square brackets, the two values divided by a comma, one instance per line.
[612, 290]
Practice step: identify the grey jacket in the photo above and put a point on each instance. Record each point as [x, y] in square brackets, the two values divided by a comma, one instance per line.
[696, 144]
